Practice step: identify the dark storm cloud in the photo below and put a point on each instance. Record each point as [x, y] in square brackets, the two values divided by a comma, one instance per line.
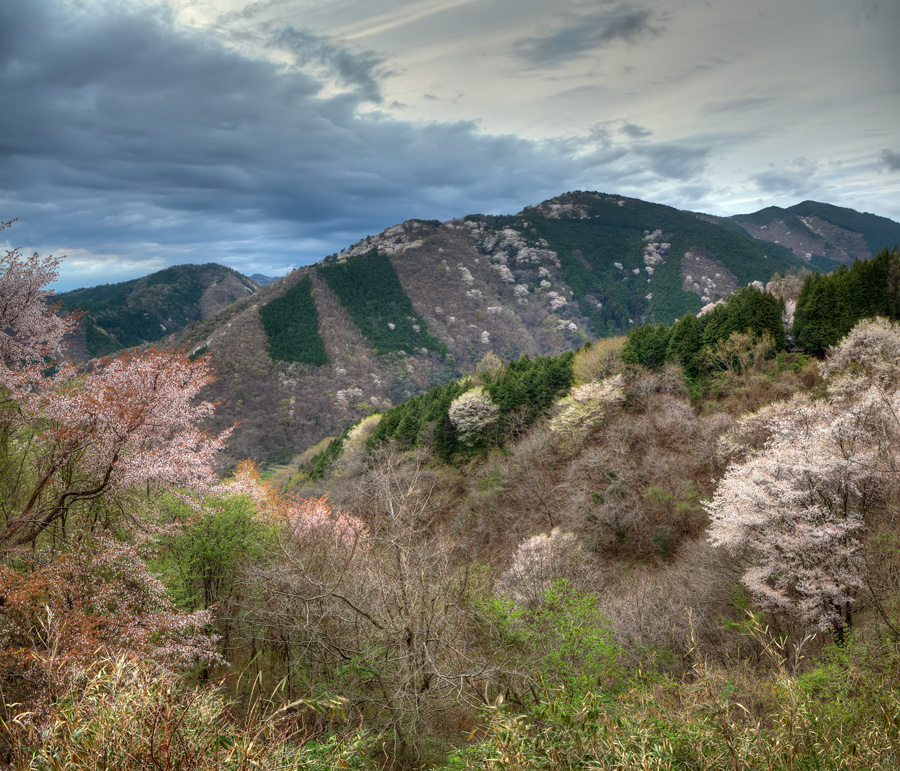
[129, 136]
[890, 160]
[584, 34]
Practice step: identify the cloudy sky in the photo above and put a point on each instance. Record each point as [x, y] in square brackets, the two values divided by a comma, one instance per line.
[263, 135]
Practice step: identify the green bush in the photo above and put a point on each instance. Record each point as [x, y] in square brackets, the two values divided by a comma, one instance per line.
[523, 390]
[830, 305]
[747, 311]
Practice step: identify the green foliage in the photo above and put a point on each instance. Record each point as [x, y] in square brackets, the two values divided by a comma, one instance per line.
[843, 715]
[598, 360]
[685, 344]
[292, 325]
[143, 310]
[202, 562]
[527, 388]
[572, 644]
[319, 465]
[411, 422]
[369, 288]
[830, 305]
[747, 311]
[647, 346]
[523, 390]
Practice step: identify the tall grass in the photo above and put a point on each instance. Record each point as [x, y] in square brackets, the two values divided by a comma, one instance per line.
[715, 719]
[124, 715]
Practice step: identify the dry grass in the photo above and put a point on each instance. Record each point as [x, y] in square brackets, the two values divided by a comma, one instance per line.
[714, 718]
[125, 715]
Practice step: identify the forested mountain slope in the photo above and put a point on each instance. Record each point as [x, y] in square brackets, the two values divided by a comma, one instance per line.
[423, 302]
[822, 234]
[603, 558]
[147, 309]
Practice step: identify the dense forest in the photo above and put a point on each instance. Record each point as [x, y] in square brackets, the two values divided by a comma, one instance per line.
[292, 326]
[675, 550]
[831, 304]
[370, 290]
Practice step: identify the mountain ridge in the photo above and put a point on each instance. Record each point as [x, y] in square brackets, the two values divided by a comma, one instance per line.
[435, 298]
[147, 309]
[540, 282]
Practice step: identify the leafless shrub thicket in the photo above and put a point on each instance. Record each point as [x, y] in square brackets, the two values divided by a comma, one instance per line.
[372, 606]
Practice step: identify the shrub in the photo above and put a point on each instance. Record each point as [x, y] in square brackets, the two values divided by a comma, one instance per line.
[125, 715]
[598, 360]
[585, 408]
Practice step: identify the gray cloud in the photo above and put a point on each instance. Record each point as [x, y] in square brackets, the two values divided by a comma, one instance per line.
[358, 70]
[584, 34]
[890, 159]
[674, 161]
[130, 137]
[634, 131]
[794, 179]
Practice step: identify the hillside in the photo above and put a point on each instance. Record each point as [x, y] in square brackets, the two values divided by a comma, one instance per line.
[147, 309]
[821, 234]
[423, 302]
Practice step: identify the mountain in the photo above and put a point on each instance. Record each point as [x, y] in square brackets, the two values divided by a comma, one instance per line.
[821, 234]
[147, 309]
[425, 301]
[263, 280]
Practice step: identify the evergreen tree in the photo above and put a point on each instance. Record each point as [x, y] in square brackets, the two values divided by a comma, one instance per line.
[686, 343]
[748, 310]
[648, 346]
[830, 305]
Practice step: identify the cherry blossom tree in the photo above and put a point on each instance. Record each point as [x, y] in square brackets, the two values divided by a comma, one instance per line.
[94, 442]
[585, 408]
[31, 332]
[473, 414]
[84, 457]
[539, 562]
[794, 504]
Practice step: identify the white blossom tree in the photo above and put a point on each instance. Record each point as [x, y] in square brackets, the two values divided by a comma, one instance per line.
[586, 407]
[538, 563]
[472, 414]
[794, 506]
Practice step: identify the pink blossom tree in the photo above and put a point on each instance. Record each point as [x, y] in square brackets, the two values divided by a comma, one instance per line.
[84, 457]
[78, 444]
